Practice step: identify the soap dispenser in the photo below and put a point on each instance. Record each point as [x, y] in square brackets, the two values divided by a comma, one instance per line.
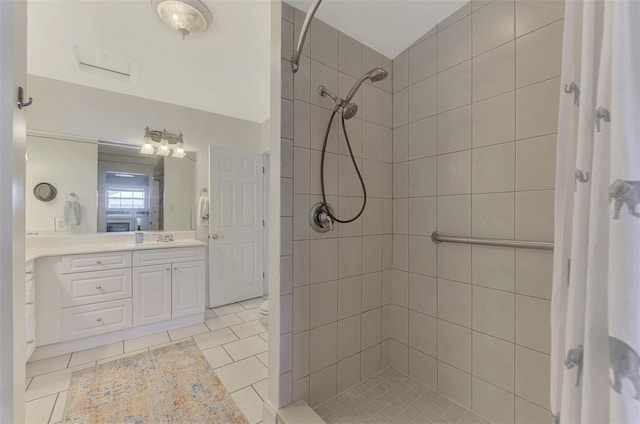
[139, 235]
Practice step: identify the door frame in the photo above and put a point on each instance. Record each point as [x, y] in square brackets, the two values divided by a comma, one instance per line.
[266, 167]
[13, 72]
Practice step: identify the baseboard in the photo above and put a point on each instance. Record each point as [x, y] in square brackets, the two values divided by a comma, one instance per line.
[298, 412]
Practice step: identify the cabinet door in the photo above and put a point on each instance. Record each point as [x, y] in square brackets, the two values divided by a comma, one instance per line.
[151, 294]
[187, 288]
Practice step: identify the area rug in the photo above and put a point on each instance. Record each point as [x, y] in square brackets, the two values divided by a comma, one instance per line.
[171, 384]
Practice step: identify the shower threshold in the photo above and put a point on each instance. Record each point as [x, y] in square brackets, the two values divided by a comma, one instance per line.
[393, 397]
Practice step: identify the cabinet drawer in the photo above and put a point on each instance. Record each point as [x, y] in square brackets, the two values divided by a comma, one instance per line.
[99, 318]
[96, 262]
[167, 256]
[29, 271]
[97, 286]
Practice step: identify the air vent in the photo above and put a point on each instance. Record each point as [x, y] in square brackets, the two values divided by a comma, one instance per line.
[107, 65]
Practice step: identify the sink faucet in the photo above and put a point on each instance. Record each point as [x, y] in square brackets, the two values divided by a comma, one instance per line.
[165, 237]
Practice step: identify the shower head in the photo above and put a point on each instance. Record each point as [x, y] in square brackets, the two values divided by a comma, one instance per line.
[349, 110]
[374, 75]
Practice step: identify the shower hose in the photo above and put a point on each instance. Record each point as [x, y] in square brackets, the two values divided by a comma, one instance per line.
[355, 165]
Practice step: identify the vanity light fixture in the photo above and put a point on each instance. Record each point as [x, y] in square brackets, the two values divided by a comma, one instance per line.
[166, 141]
[185, 16]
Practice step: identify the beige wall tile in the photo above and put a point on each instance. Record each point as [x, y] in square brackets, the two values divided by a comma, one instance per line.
[323, 347]
[532, 376]
[400, 215]
[454, 345]
[534, 272]
[324, 266]
[349, 295]
[349, 55]
[401, 144]
[399, 356]
[493, 403]
[323, 299]
[537, 109]
[534, 215]
[493, 215]
[422, 177]
[454, 173]
[371, 328]
[536, 163]
[493, 360]
[371, 254]
[493, 25]
[528, 413]
[463, 11]
[422, 60]
[422, 255]
[400, 288]
[371, 103]
[423, 368]
[422, 138]
[454, 130]
[300, 355]
[422, 216]
[454, 44]
[454, 215]
[322, 74]
[533, 14]
[539, 55]
[300, 309]
[399, 324]
[423, 294]
[322, 386]
[323, 41]
[494, 120]
[494, 313]
[401, 180]
[454, 302]
[494, 72]
[348, 373]
[371, 291]
[533, 326]
[401, 252]
[369, 362]
[454, 384]
[493, 168]
[422, 99]
[454, 262]
[423, 333]
[401, 71]
[454, 87]
[401, 108]
[493, 267]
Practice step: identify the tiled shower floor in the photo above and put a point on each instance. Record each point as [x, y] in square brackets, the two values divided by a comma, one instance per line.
[392, 397]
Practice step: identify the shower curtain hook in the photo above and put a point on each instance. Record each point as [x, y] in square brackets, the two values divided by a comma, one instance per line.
[573, 88]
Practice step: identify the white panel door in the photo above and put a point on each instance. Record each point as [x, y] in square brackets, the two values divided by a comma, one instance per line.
[236, 226]
[151, 294]
[187, 288]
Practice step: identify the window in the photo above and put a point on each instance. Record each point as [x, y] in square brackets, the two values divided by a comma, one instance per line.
[133, 198]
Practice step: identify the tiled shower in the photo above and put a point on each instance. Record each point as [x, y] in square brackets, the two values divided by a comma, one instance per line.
[460, 138]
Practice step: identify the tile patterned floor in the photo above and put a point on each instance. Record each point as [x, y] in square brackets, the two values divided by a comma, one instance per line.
[232, 340]
[392, 397]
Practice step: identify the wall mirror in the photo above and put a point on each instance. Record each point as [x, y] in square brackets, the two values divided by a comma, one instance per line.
[106, 187]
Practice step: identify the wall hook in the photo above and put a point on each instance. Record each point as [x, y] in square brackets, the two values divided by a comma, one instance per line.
[573, 88]
[21, 102]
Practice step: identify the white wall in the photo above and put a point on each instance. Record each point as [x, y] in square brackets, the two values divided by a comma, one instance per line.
[70, 109]
[60, 162]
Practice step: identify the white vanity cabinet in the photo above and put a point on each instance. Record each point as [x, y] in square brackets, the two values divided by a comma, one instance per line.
[91, 299]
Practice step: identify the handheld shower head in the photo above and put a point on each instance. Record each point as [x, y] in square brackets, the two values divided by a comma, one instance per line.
[349, 110]
[374, 75]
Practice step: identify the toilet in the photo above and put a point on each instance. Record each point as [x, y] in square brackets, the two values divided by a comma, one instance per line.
[263, 314]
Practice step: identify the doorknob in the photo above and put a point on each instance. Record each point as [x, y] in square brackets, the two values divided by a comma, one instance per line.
[21, 102]
[215, 237]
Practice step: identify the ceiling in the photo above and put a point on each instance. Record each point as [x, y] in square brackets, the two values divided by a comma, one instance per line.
[387, 26]
[224, 70]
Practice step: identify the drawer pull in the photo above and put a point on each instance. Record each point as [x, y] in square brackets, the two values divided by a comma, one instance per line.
[98, 319]
[169, 269]
[175, 268]
[28, 272]
[98, 262]
[31, 341]
[98, 287]
[29, 303]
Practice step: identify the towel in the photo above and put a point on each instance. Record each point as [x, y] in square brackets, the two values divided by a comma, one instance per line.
[72, 212]
[203, 211]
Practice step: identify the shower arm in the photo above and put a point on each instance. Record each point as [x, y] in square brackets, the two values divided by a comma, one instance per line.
[295, 59]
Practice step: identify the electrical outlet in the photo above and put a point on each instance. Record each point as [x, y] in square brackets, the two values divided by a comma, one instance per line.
[59, 224]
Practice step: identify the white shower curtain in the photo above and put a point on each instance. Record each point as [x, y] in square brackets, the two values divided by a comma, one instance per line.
[595, 362]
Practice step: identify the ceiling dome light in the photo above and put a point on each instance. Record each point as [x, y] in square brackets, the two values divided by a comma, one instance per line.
[185, 16]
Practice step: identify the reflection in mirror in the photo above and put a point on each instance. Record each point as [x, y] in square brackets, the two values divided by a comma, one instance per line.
[107, 187]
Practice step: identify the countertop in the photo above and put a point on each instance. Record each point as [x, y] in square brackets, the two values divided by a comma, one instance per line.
[32, 253]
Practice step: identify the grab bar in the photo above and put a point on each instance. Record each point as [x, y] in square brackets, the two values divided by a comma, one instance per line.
[540, 245]
[295, 59]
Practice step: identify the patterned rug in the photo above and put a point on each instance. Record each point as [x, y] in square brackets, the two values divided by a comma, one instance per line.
[171, 384]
